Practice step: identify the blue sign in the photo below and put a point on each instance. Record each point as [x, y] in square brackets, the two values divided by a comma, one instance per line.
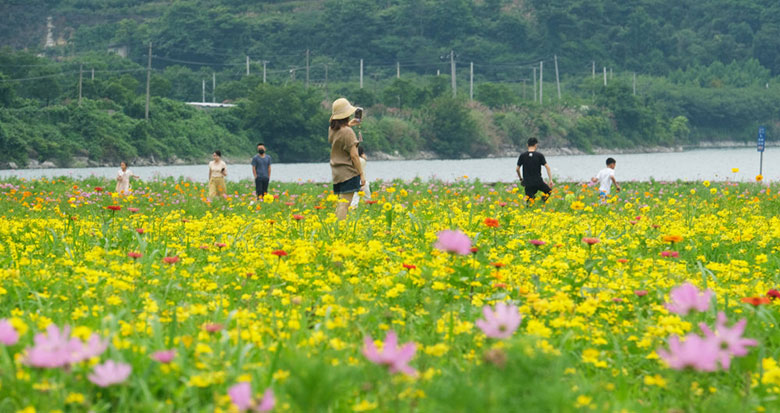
[761, 138]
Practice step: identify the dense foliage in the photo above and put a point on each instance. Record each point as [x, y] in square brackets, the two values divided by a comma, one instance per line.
[706, 71]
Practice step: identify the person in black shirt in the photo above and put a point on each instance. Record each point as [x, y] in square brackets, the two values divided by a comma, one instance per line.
[531, 162]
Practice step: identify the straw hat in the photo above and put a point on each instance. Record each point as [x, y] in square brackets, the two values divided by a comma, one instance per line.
[342, 109]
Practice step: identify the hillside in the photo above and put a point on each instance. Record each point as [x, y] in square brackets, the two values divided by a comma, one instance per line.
[649, 74]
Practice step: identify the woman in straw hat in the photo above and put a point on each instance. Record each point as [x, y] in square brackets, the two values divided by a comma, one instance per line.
[344, 159]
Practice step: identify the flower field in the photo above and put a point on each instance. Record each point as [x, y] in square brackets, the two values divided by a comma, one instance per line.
[431, 297]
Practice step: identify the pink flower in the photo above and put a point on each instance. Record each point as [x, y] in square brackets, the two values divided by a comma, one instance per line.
[164, 356]
[729, 341]
[110, 373]
[537, 242]
[687, 297]
[241, 395]
[670, 254]
[640, 293]
[57, 349]
[453, 241]
[8, 334]
[501, 323]
[395, 358]
[694, 352]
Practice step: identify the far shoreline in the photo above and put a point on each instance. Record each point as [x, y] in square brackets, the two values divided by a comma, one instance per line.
[376, 156]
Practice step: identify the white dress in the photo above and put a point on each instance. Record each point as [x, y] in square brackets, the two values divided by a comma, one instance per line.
[366, 188]
[123, 181]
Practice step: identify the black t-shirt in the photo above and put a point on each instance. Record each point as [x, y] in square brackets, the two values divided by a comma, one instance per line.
[532, 166]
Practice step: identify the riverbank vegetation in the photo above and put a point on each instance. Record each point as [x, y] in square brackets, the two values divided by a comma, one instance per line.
[695, 80]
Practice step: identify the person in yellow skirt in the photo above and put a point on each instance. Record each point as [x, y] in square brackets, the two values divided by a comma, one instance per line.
[217, 174]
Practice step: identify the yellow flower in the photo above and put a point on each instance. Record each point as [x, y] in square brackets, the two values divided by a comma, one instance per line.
[713, 191]
[656, 380]
[577, 205]
[759, 178]
[583, 401]
[734, 170]
[706, 184]
[365, 406]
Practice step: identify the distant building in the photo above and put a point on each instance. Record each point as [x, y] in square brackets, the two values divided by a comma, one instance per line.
[204, 105]
[119, 49]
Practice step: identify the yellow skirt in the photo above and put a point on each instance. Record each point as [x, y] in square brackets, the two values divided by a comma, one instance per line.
[216, 186]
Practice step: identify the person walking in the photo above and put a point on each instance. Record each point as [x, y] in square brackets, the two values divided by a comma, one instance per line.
[123, 179]
[261, 169]
[367, 187]
[531, 162]
[217, 174]
[345, 165]
[605, 178]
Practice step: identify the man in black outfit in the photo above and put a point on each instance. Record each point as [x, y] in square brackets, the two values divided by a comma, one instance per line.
[531, 161]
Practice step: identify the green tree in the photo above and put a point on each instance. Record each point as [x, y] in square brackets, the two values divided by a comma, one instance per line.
[448, 127]
[289, 119]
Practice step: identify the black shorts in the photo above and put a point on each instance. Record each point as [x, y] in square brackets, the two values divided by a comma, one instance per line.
[261, 185]
[347, 187]
[532, 188]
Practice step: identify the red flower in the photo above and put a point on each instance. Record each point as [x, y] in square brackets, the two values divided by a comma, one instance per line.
[591, 241]
[98, 189]
[134, 255]
[289, 203]
[298, 217]
[140, 230]
[622, 260]
[640, 293]
[756, 301]
[204, 247]
[319, 207]
[114, 207]
[171, 260]
[220, 244]
[773, 294]
[371, 202]
[537, 242]
[498, 264]
[212, 327]
[279, 253]
[491, 223]
[668, 254]
[409, 266]
[499, 285]
[502, 204]
[473, 250]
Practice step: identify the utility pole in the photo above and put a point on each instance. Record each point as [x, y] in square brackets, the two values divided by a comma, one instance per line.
[148, 81]
[397, 70]
[605, 76]
[81, 72]
[93, 74]
[634, 83]
[361, 73]
[265, 62]
[307, 68]
[203, 96]
[593, 69]
[213, 87]
[541, 82]
[452, 73]
[557, 79]
[471, 82]
[247, 65]
[610, 73]
[534, 84]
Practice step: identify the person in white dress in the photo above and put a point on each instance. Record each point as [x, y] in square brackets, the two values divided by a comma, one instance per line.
[123, 179]
[365, 188]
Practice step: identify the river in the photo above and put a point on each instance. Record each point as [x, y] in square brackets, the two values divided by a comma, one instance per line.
[700, 164]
